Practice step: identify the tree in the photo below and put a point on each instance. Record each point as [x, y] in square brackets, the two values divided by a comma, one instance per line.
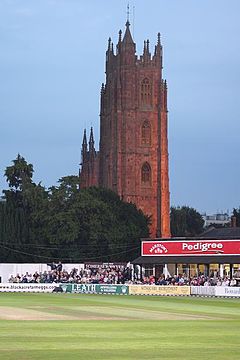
[19, 174]
[121, 226]
[15, 215]
[65, 222]
[186, 221]
[236, 214]
[94, 224]
[21, 212]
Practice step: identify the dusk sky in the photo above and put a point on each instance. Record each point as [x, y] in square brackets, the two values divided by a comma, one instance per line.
[52, 63]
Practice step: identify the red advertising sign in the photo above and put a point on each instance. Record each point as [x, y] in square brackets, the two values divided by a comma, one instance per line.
[190, 248]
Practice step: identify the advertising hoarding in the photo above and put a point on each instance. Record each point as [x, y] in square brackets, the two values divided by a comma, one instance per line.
[190, 248]
[227, 291]
[30, 287]
[158, 290]
[95, 289]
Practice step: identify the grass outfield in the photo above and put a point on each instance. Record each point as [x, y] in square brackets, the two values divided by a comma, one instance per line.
[74, 326]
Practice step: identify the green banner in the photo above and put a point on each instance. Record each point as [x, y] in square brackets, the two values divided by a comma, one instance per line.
[95, 289]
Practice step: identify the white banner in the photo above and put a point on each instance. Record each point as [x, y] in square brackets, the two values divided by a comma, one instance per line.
[227, 291]
[30, 287]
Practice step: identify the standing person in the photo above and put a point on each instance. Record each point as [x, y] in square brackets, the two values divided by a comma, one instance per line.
[52, 265]
[59, 267]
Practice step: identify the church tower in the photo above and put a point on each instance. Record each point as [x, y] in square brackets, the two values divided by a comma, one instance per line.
[133, 156]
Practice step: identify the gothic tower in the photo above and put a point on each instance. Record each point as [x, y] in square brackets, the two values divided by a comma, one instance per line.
[133, 156]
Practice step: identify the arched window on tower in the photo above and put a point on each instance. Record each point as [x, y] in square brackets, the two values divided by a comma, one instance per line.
[146, 92]
[146, 174]
[146, 133]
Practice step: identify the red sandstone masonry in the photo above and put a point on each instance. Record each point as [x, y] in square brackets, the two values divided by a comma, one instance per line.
[125, 105]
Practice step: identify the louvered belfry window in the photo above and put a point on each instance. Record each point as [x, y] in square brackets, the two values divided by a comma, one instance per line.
[146, 92]
[146, 133]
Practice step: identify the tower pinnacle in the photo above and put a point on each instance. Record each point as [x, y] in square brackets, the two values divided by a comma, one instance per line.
[84, 146]
[91, 141]
[127, 36]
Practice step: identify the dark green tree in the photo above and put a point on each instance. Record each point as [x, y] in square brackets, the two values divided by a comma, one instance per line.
[185, 221]
[65, 222]
[94, 224]
[236, 214]
[21, 211]
[19, 174]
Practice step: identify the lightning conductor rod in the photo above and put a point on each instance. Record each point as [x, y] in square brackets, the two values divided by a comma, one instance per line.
[133, 20]
[133, 17]
[128, 12]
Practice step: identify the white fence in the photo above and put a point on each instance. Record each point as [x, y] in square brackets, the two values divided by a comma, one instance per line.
[220, 291]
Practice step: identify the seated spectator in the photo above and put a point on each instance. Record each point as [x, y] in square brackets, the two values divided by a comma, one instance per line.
[115, 274]
[11, 279]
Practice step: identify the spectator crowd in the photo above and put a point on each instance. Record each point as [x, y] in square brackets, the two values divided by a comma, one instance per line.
[115, 274]
[101, 274]
[182, 279]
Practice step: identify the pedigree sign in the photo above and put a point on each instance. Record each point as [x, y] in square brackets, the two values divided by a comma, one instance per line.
[190, 248]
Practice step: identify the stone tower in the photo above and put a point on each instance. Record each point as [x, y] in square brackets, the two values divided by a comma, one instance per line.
[133, 154]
